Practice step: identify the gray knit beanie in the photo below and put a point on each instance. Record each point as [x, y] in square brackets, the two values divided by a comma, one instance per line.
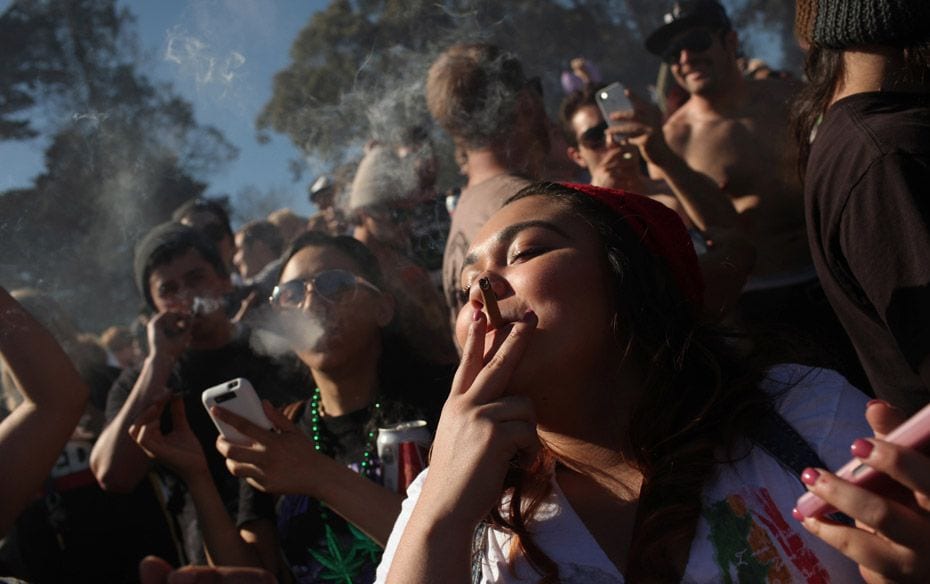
[843, 24]
[382, 178]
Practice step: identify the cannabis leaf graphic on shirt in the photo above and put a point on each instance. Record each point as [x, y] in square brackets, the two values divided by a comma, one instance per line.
[362, 544]
[343, 564]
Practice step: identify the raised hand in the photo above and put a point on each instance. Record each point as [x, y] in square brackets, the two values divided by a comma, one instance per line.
[890, 540]
[481, 430]
[641, 127]
[282, 461]
[169, 334]
[179, 449]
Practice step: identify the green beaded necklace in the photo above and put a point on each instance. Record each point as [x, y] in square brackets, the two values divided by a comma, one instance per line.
[316, 410]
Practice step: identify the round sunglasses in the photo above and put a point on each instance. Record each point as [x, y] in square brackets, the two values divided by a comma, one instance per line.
[330, 285]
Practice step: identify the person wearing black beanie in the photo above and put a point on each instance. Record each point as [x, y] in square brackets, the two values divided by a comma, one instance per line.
[193, 345]
[863, 126]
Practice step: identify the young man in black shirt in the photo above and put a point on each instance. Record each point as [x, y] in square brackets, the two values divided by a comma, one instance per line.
[192, 346]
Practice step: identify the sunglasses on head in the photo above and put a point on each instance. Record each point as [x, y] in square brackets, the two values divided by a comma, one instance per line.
[594, 137]
[695, 41]
[330, 285]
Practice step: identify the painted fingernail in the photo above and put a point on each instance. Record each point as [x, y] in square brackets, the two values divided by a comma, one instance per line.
[797, 514]
[809, 476]
[861, 448]
[529, 317]
[477, 315]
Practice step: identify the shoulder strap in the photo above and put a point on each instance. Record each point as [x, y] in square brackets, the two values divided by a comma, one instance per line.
[782, 442]
[479, 548]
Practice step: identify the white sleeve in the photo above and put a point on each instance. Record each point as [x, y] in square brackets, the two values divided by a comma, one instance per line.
[824, 408]
[406, 510]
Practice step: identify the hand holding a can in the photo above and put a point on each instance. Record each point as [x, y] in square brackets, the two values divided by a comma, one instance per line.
[481, 430]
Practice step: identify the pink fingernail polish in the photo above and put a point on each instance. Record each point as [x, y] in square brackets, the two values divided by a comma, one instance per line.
[476, 316]
[809, 476]
[861, 448]
[797, 514]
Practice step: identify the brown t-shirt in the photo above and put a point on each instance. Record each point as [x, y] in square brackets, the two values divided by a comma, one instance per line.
[475, 207]
[867, 200]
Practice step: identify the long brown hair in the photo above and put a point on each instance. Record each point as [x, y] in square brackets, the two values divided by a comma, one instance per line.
[823, 69]
[698, 398]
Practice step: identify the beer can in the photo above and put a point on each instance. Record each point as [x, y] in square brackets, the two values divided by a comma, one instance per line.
[402, 449]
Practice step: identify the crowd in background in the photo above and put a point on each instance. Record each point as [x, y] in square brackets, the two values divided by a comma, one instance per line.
[759, 283]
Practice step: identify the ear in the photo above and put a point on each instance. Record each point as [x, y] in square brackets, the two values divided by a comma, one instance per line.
[385, 310]
[575, 155]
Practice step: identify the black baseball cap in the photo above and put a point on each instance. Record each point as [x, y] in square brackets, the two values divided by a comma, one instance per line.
[686, 14]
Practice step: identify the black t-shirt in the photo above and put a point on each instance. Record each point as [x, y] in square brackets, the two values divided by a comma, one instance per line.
[318, 544]
[867, 199]
[194, 372]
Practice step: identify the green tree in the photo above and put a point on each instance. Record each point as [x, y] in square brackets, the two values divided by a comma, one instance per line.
[358, 65]
[122, 153]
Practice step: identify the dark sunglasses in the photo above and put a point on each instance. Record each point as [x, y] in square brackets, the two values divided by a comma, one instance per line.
[695, 41]
[330, 285]
[594, 137]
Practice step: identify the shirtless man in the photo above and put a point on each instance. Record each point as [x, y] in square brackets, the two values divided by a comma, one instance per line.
[735, 130]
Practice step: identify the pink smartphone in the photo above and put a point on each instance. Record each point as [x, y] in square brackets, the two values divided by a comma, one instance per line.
[239, 397]
[914, 433]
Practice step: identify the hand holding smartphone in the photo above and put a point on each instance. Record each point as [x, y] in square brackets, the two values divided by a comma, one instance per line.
[239, 397]
[914, 433]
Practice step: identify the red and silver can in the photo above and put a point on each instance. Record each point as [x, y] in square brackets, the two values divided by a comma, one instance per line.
[402, 449]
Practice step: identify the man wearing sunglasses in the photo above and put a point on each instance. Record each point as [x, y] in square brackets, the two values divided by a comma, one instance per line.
[736, 131]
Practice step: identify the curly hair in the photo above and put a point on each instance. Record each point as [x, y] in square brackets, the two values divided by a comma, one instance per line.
[699, 397]
[471, 91]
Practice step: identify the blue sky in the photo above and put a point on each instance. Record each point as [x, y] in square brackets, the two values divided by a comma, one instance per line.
[221, 56]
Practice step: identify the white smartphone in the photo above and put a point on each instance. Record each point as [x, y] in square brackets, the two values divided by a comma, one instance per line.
[239, 397]
[914, 433]
[612, 99]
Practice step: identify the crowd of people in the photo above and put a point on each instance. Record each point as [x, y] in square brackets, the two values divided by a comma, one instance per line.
[638, 337]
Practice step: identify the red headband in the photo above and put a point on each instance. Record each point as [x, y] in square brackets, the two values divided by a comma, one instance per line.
[660, 230]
